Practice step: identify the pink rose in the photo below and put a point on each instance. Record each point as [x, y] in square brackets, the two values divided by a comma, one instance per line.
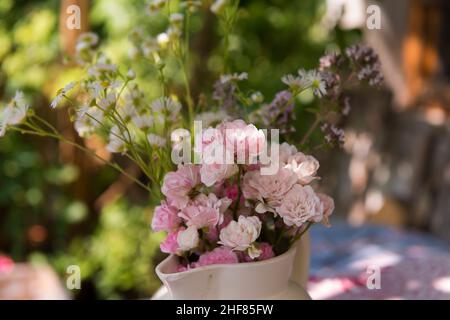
[178, 184]
[205, 211]
[267, 189]
[240, 235]
[286, 151]
[165, 218]
[220, 255]
[304, 166]
[244, 140]
[328, 207]
[213, 173]
[170, 244]
[213, 233]
[299, 205]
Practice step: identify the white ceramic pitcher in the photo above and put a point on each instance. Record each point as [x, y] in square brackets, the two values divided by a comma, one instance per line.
[282, 277]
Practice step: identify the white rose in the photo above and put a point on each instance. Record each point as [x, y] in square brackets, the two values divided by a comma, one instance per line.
[239, 235]
[188, 239]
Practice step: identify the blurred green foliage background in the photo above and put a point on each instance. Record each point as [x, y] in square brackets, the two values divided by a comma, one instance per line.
[42, 219]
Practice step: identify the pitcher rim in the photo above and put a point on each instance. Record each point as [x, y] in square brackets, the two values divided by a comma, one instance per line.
[215, 266]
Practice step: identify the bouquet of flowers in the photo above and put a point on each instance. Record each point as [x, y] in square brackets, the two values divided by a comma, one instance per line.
[236, 202]
[237, 205]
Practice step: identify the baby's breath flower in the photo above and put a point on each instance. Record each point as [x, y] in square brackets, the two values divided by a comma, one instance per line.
[219, 6]
[156, 140]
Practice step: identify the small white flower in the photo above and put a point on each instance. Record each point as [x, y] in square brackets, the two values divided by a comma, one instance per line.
[176, 18]
[14, 112]
[156, 140]
[131, 75]
[166, 103]
[88, 38]
[88, 119]
[234, 77]
[107, 102]
[116, 142]
[317, 83]
[142, 121]
[162, 39]
[257, 97]
[293, 82]
[101, 67]
[218, 6]
[188, 239]
[149, 46]
[61, 93]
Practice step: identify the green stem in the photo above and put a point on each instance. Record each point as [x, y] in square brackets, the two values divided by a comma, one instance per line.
[310, 130]
[84, 149]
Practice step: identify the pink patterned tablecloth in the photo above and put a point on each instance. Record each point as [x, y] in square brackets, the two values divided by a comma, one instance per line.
[412, 265]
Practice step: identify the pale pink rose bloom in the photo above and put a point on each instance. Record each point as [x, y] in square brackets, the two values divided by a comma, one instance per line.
[213, 173]
[242, 139]
[255, 140]
[266, 253]
[240, 235]
[170, 244]
[178, 184]
[220, 255]
[188, 239]
[212, 137]
[213, 233]
[304, 166]
[165, 218]
[267, 189]
[285, 152]
[205, 211]
[328, 207]
[300, 205]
